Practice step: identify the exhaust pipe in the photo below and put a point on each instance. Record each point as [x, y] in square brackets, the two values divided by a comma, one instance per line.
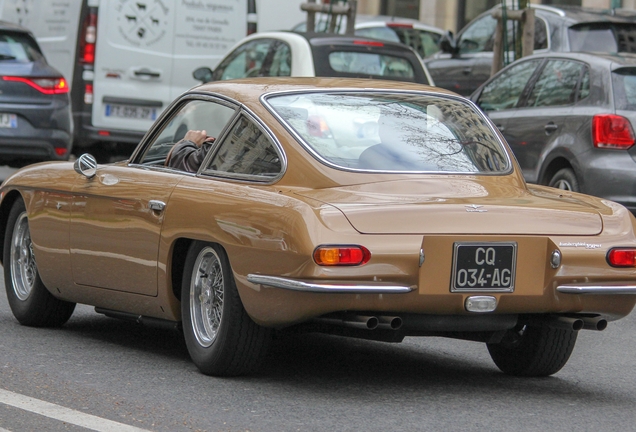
[389, 322]
[561, 322]
[353, 321]
[597, 323]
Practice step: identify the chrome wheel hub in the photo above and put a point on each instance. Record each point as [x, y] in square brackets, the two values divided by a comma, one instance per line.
[22, 260]
[206, 296]
[563, 185]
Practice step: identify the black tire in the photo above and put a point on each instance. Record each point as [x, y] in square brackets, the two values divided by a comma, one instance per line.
[221, 338]
[31, 303]
[533, 351]
[565, 179]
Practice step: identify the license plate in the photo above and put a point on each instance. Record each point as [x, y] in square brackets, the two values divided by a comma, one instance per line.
[484, 266]
[131, 112]
[8, 121]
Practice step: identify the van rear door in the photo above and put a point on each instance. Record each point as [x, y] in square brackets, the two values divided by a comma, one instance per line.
[147, 50]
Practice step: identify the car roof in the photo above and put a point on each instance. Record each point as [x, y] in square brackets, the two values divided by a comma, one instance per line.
[609, 59]
[7, 26]
[578, 14]
[321, 38]
[249, 90]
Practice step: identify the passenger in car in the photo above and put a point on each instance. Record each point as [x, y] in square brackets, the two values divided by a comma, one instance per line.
[189, 153]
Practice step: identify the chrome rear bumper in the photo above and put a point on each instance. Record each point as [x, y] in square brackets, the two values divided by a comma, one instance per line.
[609, 288]
[297, 285]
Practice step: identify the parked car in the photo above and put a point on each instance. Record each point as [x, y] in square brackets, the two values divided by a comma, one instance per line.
[365, 208]
[317, 54]
[569, 119]
[466, 62]
[424, 39]
[35, 111]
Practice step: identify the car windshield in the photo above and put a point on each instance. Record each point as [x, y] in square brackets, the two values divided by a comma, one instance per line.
[624, 86]
[603, 37]
[399, 132]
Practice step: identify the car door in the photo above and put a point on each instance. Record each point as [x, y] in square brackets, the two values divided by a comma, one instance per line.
[499, 98]
[539, 124]
[117, 216]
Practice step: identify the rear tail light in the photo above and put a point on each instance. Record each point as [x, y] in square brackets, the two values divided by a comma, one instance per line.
[43, 85]
[60, 151]
[341, 255]
[612, 131]
[88, 94]
[368, 43]
[89, 37]
[622, 257]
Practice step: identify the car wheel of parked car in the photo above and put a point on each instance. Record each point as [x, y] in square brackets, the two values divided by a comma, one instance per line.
[221, 338]
[565, 179]
[533, 350]
[31, 303]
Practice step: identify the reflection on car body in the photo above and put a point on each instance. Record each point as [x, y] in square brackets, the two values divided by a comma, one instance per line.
[309, 215]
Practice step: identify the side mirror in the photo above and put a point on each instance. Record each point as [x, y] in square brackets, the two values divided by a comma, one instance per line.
[203, 74]
[86, 165]
[448, 44]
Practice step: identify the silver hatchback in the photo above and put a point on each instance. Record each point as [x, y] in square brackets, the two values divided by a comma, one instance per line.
[569, 119]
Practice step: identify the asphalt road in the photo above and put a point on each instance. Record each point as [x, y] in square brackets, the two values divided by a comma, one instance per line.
[104, 374]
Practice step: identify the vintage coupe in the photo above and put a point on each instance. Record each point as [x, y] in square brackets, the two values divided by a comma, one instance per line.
[365, 208]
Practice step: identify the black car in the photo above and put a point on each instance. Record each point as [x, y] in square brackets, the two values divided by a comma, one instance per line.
[466, 61]
[317, 55]
[570, 119]
[35, 111]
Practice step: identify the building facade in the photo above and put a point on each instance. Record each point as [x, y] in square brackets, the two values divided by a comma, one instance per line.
[454, 14]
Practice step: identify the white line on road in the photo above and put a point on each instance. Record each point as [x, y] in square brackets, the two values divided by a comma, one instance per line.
[61, 413]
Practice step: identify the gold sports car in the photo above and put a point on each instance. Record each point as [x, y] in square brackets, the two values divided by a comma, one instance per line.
[370, 209]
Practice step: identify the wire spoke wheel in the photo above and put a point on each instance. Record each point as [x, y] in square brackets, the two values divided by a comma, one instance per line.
[206, 297]
[23, 266]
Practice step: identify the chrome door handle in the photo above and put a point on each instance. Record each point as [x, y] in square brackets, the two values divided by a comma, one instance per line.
[551, 127]
[156, 205]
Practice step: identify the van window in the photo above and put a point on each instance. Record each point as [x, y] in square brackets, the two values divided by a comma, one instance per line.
[192, 115]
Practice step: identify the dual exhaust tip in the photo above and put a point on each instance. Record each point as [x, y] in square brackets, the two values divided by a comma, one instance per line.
[364, 322]
[571, 323]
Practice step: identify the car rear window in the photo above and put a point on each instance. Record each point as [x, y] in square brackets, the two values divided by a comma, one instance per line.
[396, 132]
[371, 64]
[603, 37]
[18, 47]
[624, 87]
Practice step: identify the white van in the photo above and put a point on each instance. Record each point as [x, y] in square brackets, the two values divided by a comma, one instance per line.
[126, 60]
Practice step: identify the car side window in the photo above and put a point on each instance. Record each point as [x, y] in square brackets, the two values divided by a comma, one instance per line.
[192, 115]
[281, 61]
[246, 61]
[246, 151]
[478, 36]
[504, 91]
[557, 84]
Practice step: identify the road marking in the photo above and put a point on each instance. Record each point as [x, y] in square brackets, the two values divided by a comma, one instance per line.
[61, 413]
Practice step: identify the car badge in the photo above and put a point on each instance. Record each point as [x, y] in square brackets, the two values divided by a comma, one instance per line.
[475, 209]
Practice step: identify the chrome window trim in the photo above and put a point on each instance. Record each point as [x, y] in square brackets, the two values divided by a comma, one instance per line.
[322, 160]
[170, 111]
[262, 180]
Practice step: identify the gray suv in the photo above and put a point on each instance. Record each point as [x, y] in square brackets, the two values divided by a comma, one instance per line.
[465, 62]
[569, 119]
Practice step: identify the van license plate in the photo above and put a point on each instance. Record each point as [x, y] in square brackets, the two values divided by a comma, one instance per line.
[484, 266]
[131, 112]
[8, 120]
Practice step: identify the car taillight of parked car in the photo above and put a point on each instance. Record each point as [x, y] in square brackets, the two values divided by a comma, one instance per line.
[612, 131]
[43, 85]
[622, 257]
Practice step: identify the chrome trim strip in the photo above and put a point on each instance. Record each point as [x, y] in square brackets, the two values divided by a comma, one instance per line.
[297, 285]
[609, 288]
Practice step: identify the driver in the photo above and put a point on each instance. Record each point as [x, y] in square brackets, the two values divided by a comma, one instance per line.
[188, 154]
